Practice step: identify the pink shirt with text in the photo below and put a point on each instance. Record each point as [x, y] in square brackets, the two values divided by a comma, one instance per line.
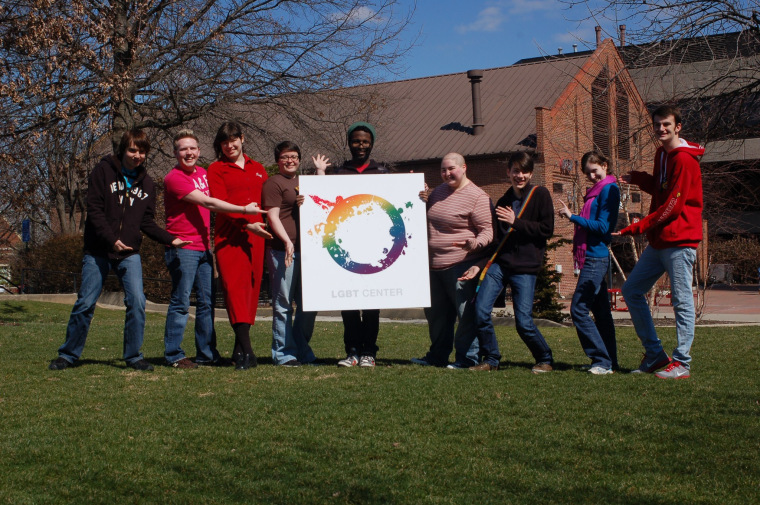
[186, 220]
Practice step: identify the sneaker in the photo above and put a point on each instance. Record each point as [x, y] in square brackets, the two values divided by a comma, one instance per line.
[367, 362]
[141, 365]
[457, 366]
[675, 370]
[421, 362]
[59, 364]
[651, 365]
[183, 363]
[349, 361]
[484, 367]
[598, 370]
[292, 363]
[541, 368]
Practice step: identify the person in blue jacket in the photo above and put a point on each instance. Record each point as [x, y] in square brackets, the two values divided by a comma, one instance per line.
[593, 229]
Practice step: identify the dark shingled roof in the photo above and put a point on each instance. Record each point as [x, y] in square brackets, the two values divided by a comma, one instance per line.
[440, 108]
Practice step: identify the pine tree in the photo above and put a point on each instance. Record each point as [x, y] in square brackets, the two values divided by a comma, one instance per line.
[546, 302]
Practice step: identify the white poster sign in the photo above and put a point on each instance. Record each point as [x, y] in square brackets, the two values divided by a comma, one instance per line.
[363, 242]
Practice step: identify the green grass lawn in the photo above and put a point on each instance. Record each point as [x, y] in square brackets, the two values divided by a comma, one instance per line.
[399, 433]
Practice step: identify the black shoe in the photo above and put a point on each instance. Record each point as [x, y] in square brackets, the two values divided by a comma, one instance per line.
[59, 364]
[142, 365]
[244, 361]
[217, 362]
[291, 363]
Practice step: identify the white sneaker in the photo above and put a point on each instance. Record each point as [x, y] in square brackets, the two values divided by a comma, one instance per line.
[674, 371]
[349, 361]
[367, 362]
[597, 370]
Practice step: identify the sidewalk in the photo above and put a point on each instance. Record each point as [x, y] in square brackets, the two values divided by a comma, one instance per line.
[724, 304]
[738, 303]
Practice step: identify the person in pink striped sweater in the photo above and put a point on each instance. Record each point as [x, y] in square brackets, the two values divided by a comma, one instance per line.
[459, 229]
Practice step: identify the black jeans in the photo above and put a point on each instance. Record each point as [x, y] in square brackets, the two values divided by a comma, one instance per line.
[360, 329]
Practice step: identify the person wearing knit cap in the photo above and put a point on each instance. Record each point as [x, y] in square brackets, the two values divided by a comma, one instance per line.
[360, 327]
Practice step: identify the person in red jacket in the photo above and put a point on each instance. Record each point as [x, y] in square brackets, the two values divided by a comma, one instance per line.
[239, 238]
[673, 229]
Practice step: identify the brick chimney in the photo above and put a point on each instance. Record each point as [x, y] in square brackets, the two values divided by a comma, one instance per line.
[622, 35]
[598, 30]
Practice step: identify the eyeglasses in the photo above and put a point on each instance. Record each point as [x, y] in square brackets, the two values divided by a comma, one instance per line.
[293, 157]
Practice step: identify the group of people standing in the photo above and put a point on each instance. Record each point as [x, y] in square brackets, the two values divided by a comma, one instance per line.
[475, 252]
[471, 265]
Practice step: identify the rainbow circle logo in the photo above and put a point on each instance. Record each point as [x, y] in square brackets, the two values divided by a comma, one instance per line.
[357, 205]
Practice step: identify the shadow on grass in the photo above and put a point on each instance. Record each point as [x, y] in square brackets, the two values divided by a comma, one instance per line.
[11, 312]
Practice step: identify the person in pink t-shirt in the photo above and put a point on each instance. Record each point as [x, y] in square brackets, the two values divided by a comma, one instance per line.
[188, 216]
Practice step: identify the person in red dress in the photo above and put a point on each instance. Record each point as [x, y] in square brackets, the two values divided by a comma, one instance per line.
[239, 238]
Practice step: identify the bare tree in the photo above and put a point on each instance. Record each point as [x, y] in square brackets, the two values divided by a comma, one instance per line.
[75, 72]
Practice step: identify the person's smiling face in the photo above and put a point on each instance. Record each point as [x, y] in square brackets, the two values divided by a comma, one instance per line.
[452, 173]
[288, 163]
[518, 178]
[187, 152]
[133, 157]
[360, 145]
[595, 172]
[232, 148]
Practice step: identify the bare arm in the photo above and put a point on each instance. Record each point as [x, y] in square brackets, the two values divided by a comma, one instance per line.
[218, 205]
[273, 217]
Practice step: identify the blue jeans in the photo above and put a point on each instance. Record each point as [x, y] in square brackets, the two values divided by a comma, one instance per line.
[523, 291]
[290, 335]
[678, 262]
[94, 272]
[451, 299]
[190, 269]
[597, 336]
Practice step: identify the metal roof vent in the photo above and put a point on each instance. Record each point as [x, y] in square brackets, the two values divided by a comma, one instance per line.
[475, 77]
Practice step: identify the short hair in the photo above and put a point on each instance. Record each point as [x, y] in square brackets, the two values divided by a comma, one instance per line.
[228, 130]
[456, 157]
[184, 134]
[595, 157]
[523, 160]
[286, 146]
[667, 110]
[134, 136]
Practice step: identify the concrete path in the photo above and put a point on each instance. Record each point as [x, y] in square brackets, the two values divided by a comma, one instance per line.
[724, 304]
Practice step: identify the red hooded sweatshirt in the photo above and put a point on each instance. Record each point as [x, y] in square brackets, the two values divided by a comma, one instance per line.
[675, 214]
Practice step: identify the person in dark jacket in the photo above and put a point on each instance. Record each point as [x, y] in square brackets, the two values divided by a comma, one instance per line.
[525, 216]
[121, 199]
[360, 327]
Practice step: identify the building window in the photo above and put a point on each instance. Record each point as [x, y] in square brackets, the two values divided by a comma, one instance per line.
[635, 197]
[621, 116]
[557, 187]
[600, 113]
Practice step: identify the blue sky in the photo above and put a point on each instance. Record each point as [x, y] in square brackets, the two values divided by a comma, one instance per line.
[459, 35]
